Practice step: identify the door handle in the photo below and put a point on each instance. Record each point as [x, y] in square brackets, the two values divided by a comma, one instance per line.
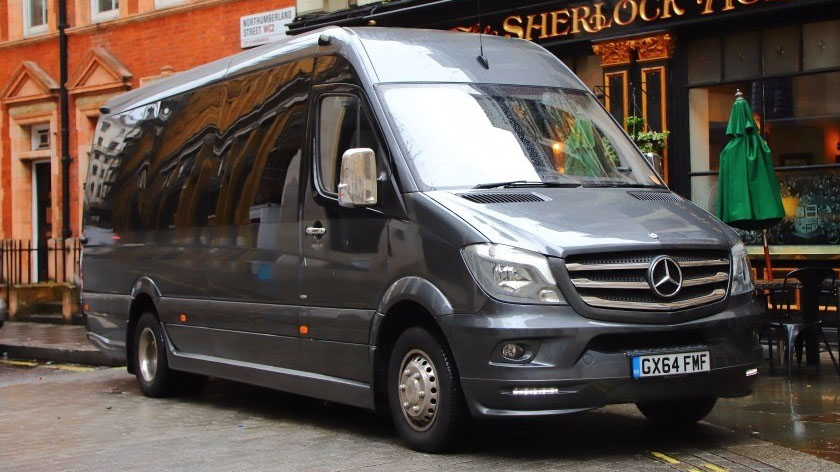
[316, 230]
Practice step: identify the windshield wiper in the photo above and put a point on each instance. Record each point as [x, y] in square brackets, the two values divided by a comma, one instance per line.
[620, 184]
[527, 183]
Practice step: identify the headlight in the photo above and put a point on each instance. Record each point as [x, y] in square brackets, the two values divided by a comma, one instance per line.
[741, 270]
[512, 275]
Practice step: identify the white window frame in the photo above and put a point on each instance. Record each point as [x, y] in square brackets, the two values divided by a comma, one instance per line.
[97, 16]
[168, 3]
[37, 29]
[33, 137]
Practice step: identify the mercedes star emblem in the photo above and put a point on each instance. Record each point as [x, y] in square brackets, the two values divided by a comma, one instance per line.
[664, 276]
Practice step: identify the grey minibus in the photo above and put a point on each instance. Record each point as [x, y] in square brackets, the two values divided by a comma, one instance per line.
[378, 218]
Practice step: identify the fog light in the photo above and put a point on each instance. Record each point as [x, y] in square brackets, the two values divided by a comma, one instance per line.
[536, 391]
[513, 351]
[549, 296]
[751, 372]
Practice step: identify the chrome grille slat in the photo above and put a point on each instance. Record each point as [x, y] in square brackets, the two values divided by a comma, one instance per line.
[716, 295]
[619, 280]
[574, 266]
[588, 283]
[719, 277]
[709, 263]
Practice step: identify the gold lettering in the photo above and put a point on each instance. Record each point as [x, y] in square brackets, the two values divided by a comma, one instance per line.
[511, 29]
[644, 14]
[708, 9]
[581, 19]
[598, 20]
[668, 6]
[747, 2]
[559, 17]
[530, 26]
[624, 5]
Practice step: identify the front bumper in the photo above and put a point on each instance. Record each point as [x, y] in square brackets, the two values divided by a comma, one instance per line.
[588, 361]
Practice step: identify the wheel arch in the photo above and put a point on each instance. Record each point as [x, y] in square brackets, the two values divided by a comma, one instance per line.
[144, 292]
[410, 301]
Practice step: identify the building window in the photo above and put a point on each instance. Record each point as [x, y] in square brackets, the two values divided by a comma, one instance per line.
[40, 137]
[103, 10]
[793, 88]
[34, 17]
[168, 3]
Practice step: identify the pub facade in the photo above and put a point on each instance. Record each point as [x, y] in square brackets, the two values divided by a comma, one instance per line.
[677, 64]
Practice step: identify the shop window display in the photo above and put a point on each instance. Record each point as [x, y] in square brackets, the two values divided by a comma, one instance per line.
[798, 113]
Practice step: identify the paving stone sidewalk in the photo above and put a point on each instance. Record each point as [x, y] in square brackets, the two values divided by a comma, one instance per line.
[49, 342]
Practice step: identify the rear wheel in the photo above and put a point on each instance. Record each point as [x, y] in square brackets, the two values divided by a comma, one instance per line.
[424, 393]
[677, 413]
[152, 370]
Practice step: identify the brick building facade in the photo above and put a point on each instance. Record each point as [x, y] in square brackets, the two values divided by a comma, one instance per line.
[113, 46]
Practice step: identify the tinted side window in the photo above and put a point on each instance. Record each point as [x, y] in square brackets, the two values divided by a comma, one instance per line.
[343, 124]
[264, 118]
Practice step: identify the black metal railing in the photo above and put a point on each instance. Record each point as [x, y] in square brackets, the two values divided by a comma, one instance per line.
[52, 261]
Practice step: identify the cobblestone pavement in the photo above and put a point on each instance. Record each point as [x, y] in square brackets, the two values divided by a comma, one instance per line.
[55, 419]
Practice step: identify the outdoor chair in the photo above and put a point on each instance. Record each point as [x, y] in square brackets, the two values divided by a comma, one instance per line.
[809, 319]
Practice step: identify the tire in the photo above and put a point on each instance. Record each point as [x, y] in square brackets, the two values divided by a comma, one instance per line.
[154, 376]
[677, 413]
[422, 376]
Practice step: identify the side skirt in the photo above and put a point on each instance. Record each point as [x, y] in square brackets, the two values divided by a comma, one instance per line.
[324, 387]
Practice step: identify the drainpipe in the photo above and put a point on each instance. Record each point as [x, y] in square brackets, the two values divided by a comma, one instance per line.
[65, 119]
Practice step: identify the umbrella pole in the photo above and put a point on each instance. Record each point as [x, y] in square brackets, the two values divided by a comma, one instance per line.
[769, 270]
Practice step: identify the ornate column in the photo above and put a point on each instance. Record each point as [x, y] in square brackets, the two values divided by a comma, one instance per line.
[617, 59]
[635, 79]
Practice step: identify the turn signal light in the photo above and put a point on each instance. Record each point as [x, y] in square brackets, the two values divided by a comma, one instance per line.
[303, 329]
[183, 317]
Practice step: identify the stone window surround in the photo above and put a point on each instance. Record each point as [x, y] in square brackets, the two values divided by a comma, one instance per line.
[96, 16]
[37, 29]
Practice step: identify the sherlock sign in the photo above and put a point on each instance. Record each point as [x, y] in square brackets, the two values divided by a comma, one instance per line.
[265, 27]
[596, 16]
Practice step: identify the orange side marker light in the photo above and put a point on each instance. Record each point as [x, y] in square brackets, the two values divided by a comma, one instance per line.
[183, 317]
[303, 329]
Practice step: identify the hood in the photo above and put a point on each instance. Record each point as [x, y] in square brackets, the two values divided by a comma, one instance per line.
[573, 220]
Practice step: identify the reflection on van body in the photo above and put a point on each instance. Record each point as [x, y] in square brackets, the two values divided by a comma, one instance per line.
[519, 256]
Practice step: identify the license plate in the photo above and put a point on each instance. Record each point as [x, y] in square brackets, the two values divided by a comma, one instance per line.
[658, 365]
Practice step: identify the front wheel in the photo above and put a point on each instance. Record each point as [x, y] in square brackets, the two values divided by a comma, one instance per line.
[677, 413]
[424, 392]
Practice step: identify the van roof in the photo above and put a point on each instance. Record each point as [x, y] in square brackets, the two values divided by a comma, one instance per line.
[394, 54]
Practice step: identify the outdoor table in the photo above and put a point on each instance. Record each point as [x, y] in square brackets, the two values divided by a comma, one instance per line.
[764, 288]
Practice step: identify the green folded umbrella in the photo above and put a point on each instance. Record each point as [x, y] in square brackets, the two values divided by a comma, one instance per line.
[748, 192]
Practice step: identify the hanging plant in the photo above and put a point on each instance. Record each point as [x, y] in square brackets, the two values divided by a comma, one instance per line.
[648, 141]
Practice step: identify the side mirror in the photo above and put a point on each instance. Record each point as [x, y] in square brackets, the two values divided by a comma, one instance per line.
[357, 181]
[656, 161]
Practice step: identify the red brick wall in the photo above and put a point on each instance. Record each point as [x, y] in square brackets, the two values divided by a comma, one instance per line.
[183, 38]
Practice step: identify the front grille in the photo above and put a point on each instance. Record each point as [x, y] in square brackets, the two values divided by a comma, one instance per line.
[619, 280]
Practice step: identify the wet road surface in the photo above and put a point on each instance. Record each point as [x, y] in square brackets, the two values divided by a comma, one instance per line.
[803, 414]
[63, 419]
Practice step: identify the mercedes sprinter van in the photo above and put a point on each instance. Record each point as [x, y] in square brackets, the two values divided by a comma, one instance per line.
[379, 218]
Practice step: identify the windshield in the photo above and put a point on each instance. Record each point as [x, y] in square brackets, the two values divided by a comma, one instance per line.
[467, 135]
